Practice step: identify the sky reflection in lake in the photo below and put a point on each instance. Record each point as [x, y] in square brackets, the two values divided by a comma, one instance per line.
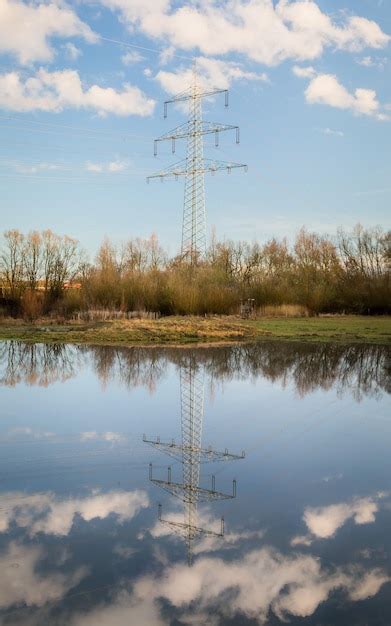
[306, 539]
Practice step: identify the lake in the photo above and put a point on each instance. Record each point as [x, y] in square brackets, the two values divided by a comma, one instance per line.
[236, 485]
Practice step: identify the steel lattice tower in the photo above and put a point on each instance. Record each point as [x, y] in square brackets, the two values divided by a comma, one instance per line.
[194, 167]
[194, 216]
[191, 454]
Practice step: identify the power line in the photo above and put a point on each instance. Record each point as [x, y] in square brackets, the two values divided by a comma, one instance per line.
[63, 166]
[87, 131]
[69, 127]
[93, 180]
[133, 45]
[118, 154]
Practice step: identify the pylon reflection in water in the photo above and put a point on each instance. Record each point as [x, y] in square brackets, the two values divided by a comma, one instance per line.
[191, 454]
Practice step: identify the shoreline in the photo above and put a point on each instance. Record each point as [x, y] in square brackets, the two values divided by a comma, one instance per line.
[198, 331]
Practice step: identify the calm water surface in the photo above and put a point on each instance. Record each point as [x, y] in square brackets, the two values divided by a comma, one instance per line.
[83, 541]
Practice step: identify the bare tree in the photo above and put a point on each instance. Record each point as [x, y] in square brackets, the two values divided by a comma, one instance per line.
[364, 251]
[60, 260]
[11, 262]
[32, 254]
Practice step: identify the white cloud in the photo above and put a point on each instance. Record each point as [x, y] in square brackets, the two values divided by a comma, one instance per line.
[167, 55]
[326, 89]
[25, 28]
[334, 133]
[323, 522]
[99, 168]
[304, 72]
[264, 31]
[44, 513]
[26, 431]
[131, 57]
[212, 73]
[22, 430]
[366, 62]
[54, 91]
[25, 168]
[22, 584]
[72, 51]
[369, 61]
[116, 166]
[258, 582]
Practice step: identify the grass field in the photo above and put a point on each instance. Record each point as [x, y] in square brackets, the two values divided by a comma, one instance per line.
[185, 330]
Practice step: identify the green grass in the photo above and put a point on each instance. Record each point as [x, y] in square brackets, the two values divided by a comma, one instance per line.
[348, 329]
[187, 330]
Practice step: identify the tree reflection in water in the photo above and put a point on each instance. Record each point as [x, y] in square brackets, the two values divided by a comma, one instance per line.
[362, 370]
[38, 364]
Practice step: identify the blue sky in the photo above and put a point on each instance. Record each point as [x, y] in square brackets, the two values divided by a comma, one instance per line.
[309, 86]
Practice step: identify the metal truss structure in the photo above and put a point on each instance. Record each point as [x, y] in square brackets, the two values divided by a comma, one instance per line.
[191, 454]
[194, 167]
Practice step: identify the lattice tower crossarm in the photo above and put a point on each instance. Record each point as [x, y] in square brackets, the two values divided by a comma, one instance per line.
[206, 455]
[189, 533]
[208, 166]
[205, 128]
[190, 493]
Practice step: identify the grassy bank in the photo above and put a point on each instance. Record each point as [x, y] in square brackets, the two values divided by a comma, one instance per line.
[184, 330]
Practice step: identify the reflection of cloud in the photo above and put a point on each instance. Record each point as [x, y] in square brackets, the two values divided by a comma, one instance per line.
[258, 582]
[17, 507]
[23, 431]
[125, 552]
[323, 522]
[369, 585]
[199, 619]
[328, 479]
[230, 540]
[109, 436]
[43, 513]
[301, 540]
[20, 582]
[125, 610]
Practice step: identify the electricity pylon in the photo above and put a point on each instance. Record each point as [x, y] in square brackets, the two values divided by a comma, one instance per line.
[191, 454]
[194, 167]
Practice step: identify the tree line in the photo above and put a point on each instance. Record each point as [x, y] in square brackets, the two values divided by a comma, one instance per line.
[42, 273]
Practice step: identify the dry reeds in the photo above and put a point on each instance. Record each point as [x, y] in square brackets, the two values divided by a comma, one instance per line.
[283, 310]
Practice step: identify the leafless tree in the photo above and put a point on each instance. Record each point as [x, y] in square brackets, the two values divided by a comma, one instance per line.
[32, 256]
[11, 262]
